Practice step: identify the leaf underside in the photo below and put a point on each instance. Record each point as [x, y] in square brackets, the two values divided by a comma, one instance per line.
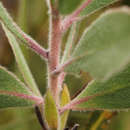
[13, 92]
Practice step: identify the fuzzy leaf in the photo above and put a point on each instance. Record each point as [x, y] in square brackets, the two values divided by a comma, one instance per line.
[65, 99]
[51, 113]
[112, 94]
[21, 61]
[13, 92]
[67, 6]
[104, 48]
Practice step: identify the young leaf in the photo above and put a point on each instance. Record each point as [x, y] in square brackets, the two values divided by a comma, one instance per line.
[21, 61]
[112, 94]
[66, 6]
[104, 46]
[50, 112]
[65, 99]
[13, 92]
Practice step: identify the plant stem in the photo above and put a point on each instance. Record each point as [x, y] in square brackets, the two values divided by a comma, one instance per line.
[54, 53]
[68, 21]
[75, 102]
[35, 46]
[61, 67]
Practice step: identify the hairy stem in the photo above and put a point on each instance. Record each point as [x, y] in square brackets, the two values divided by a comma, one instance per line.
[35, 46]
[54, 53]
[75, 102]
[69, 20]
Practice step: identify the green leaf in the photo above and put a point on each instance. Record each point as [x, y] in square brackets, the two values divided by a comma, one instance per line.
[95, 5]
[112, 94]
[50, 112]
[13, 92]
[65, 99]
[21, 61]
[67, 6]
[104, 48]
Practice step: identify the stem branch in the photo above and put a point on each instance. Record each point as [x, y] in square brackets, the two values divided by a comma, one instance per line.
[35, 46]
[75, 102]
[67, 22]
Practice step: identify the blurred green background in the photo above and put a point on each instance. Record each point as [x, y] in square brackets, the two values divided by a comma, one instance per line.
[31, 16]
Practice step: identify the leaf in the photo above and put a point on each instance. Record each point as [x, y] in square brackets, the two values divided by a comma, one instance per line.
[95, 5]
[13, 92]
[113, 94]
[50, 112]
[65, 99]
[104, 47]
[21, 61]
[67, 6]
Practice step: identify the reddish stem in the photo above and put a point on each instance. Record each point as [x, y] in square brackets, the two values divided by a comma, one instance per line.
[54, 54]
[36, 99]
[75, 102]
[32, 43]
[36, 47]
[67, 22]
[60, 68]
